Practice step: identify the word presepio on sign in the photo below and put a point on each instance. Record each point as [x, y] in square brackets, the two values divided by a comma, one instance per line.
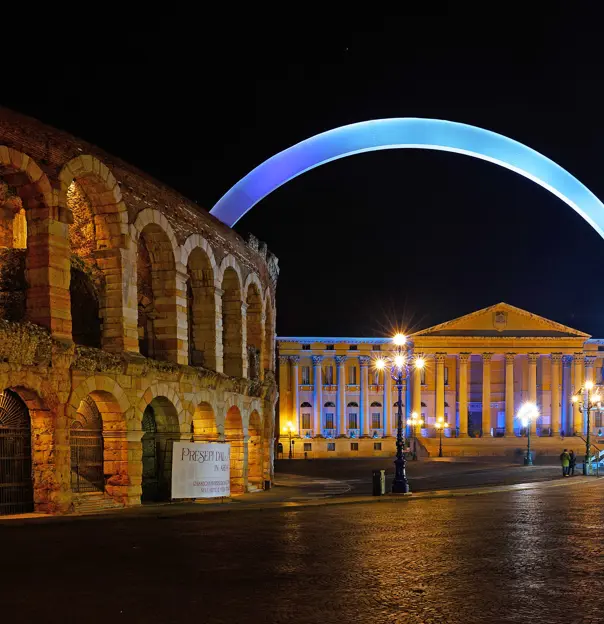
[201, 470]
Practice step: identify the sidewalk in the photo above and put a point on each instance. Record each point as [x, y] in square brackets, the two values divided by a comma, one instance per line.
[273, 499]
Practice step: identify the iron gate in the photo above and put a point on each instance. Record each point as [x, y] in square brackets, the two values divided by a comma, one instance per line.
[16, 486]
[87, 461]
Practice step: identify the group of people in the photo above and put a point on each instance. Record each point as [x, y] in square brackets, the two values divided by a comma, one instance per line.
[568, 459]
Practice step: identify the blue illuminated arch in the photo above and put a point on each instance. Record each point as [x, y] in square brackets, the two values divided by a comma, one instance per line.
[436, 134]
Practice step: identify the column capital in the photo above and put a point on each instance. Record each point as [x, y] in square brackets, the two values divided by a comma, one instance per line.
[509, 358]
[294, 359]
[340, 359]
[533, 357]
[440, 357]
[317, 359]
[364, 360]
[486, 357]
[590, 360]
[284, 359]
[578, 358]
[566, 360]
[464, 357]
[556, 357]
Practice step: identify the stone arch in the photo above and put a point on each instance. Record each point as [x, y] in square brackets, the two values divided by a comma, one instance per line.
[205, 428]
[201, 306]
[254, 452]
[98, 383]
[233, 338]
[254, 326]
[233, 434]
[269, 333]
[27, 197]
[91, 195]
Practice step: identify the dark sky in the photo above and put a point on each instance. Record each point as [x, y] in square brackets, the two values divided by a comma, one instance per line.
[405, 236]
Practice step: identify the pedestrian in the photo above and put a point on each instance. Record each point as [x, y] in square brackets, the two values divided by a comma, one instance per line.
[565, 461]
[572, 462]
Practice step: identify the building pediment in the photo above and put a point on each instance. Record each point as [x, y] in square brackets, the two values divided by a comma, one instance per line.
[502, 320]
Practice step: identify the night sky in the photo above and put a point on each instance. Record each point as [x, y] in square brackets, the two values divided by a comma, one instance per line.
[405, 237]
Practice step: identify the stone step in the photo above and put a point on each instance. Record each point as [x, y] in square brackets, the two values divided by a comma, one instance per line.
[93, 503]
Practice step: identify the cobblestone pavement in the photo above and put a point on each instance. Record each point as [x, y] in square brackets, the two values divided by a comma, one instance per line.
[521, 556]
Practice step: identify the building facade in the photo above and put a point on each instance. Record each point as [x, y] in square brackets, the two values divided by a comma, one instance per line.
[129, 318]
[479, 369]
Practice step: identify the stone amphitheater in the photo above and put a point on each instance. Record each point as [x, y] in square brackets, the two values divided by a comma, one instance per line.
[129, 318]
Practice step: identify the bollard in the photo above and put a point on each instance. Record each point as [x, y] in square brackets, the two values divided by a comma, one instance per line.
[267, 484]
[379, 482]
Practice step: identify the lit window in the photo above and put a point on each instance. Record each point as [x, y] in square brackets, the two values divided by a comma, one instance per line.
[375, 420]
[308, 446]
[305, 375]
[306, 420]
[329, 421]
[353, 422]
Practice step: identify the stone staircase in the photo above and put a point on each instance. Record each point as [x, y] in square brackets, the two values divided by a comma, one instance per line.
[93, 502]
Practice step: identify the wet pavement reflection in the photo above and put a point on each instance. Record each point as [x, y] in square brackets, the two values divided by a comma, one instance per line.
[533, 555]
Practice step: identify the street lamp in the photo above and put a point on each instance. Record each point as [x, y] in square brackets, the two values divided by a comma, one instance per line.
[588, 398]
[397, 365]
[290, 430]
[528, 412]
[440, 424]
[413, 422]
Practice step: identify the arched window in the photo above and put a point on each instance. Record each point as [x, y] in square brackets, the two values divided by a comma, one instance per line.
[232, 324]
[254, 331]
[376, 404]
[305, 416]
[330, 404]
[353, 404]
[423, 404]
[446, 404]
[305, 404]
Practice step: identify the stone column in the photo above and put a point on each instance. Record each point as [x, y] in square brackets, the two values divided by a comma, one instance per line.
[387, 403]
[589, 376]
[464, 358]
[295, 389]
[556, 418]
[440, 385]
[486, 393]
[364, 363]
[509, 394]
[566, 394]
[341, 398]
[318, 393]
[532, 385]
[417, 390]
[577, 384]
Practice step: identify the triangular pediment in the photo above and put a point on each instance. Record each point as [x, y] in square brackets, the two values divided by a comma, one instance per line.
[502, 320]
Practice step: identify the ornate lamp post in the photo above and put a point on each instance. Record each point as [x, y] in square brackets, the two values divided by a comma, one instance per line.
[290, 430]
[414, 422]
[589, 398]
[398, 366]
[527, 413]
[440, 425]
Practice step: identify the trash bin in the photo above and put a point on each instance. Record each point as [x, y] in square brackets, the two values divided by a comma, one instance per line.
[379, 482]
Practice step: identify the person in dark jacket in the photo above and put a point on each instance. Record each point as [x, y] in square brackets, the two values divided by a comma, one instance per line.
[572, 463]
[565, 461]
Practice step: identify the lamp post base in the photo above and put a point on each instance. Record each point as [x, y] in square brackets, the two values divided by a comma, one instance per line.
[401, 487]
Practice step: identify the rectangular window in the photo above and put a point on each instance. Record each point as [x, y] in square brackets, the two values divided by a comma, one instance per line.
[329, 375]
[305, 375]
[331, 446]
[422, 375]
[306, 347]
[306, 420]
[352, 375]
[376, 348]
[354, 446]
[375, 420]
[446, 375]
[353, 422]
[352, 347]
[308, 446]
[377, 446]
[376, 378]
[329, 347]
[329, 421]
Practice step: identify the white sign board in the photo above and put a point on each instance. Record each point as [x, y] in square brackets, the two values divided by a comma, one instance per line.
[201, 470]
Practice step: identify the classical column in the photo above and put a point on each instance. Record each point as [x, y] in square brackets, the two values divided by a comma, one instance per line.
[589, 376]
[509, 394]
[566, 394]
[532, 385]
[293, 360]
[486, 393]
[577, 384]
[440, 385]
[464, 358]
[417, 390]
[387, 403]
[556, 415]
[341, 398]
[318, 393]
[364, 363]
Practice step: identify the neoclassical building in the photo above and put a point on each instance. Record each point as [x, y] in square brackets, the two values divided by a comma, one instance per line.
[479, 369]
[129, 318]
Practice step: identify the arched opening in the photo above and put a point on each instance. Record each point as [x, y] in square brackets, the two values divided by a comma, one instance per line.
[87, 283]
[16, 483]
[201, 310]
[254, 332]
[86, 446]
[204, 424]
[160, 430]
[233, 433]
[254, 452]
[232, 346]
[269, 337]
[156, 290]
